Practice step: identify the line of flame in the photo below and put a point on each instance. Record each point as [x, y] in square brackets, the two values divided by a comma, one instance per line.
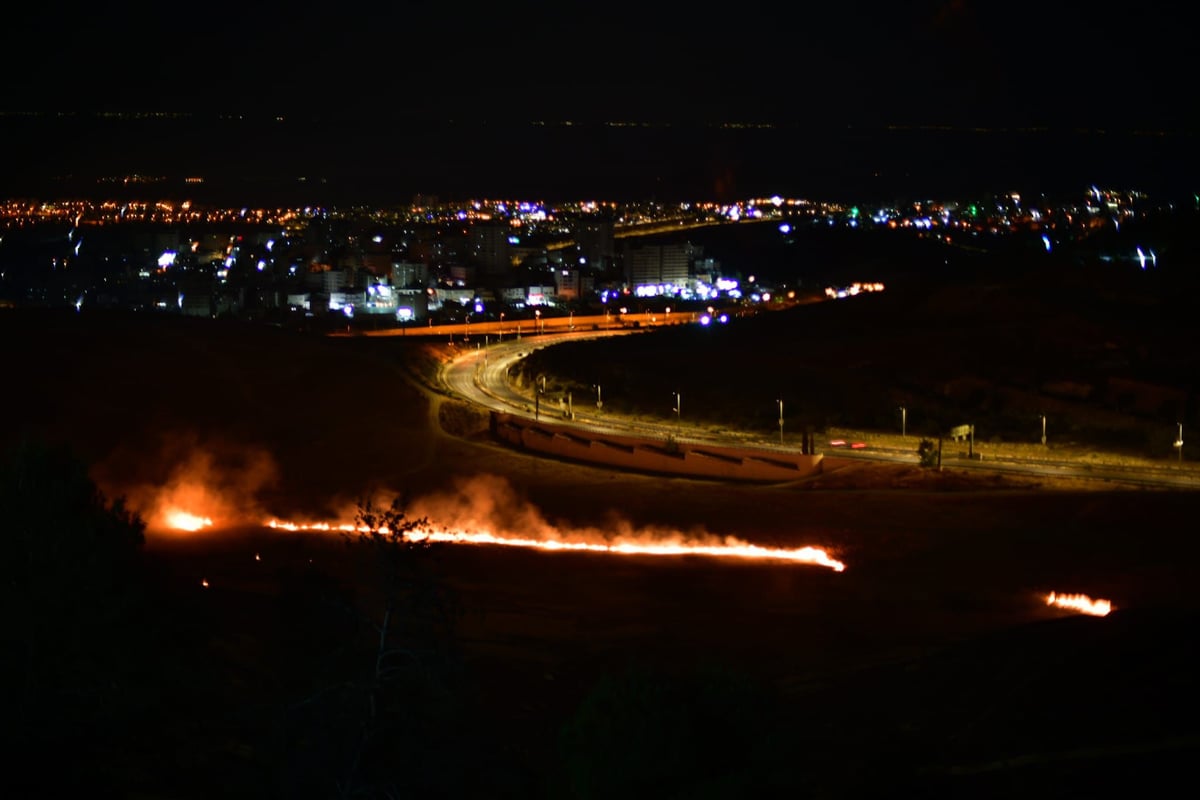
[1080, 602]
[184, 521]
[732, 548]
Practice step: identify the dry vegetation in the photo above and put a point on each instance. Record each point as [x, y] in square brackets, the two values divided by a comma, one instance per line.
[931, 657]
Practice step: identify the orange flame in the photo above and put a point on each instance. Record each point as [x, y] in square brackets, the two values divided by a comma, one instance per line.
[180, 520]
[1080, 602]
[729, 548]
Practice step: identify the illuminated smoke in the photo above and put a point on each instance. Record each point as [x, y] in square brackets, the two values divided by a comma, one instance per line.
[486, 511]
[1081, 603]
[206, 485]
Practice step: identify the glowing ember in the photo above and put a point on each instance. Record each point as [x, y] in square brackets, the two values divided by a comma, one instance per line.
[1080, 602]
[729, 548]
[183, 521]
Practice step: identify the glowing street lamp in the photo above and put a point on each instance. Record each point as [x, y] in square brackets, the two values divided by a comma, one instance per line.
[501, 338]
[780, 421]
[599, 402]
[678, 409]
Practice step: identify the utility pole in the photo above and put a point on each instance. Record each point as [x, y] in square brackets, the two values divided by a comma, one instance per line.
[780, 421]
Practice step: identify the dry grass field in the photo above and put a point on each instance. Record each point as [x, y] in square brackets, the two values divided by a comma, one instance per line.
[933, 663]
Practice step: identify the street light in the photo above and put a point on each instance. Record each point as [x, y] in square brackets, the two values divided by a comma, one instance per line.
[501, 339]
[780, 421]
[1043, 430]
[1179, 442]
[571, 320]
[903, 421]
[537, 319]
[678, 409]
[599, 402]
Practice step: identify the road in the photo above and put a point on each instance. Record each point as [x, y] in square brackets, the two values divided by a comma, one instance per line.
[494, 331]
[480, 376]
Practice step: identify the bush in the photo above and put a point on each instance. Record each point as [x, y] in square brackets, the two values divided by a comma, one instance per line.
[927, 452]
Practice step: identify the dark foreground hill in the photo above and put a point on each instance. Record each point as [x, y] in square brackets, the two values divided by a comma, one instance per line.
[932, 665]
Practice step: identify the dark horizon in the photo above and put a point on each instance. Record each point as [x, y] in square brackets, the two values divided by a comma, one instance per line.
[307, 158]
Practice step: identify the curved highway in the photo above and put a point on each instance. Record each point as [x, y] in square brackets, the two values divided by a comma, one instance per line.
[480, 376]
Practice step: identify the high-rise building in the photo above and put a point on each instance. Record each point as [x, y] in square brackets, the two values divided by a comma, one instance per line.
[490, 247]
[410, 275]
[596, 243]
[659, 265]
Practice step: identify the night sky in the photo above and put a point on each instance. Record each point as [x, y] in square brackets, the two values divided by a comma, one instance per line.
[943, 62]
[368, 102]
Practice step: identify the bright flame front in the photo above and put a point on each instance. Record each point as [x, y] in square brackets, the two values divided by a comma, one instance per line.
[183, 521]
[1081, 603]
[729, 548]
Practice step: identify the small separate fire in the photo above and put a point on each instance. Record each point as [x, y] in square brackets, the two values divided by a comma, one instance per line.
[1081, 603]
[728, 548]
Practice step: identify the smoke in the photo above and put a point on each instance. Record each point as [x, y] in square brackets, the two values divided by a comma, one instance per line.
[217, 480]
[489, 503]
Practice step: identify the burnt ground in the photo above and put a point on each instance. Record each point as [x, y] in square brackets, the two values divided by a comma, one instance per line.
[932, 664]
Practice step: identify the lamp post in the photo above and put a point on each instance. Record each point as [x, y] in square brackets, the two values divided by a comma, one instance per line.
[599, 402]
[571, 320]
[903, 422]
[1179, 442]
[780, 421]
[501, 339]
[678, 409]
[537, 320]
[1043, 430]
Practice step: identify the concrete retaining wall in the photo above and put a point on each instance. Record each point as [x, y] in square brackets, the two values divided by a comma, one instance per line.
[648, 455]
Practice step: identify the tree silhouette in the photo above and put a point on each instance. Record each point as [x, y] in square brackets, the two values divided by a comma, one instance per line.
[383, 725]
[68, 591]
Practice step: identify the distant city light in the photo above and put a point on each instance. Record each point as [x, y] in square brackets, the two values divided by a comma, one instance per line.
[167, 259]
